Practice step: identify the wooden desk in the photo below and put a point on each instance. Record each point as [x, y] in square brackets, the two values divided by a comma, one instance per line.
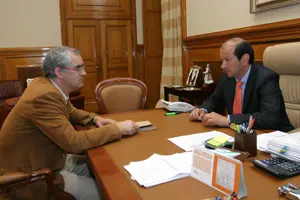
[108, 161]
[195, 97]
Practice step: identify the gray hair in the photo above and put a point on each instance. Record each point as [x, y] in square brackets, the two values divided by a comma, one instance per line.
[56, 57]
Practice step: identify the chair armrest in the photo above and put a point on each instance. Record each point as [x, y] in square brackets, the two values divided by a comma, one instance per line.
[15, 179]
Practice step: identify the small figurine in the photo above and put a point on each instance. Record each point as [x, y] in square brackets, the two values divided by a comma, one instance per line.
[207, 76]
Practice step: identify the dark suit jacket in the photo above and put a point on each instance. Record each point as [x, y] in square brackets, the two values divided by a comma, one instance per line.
[262, 99]
[38, 133]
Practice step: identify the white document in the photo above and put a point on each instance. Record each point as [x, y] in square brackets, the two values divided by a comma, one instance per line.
[159, 169]
[263, 139]
[187, 141]
[222, 173]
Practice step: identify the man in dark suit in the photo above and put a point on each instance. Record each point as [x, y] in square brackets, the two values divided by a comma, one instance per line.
[260, 94]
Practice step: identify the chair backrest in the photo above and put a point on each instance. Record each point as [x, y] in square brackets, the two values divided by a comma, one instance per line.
[285, 60]
[28, 72]
[120, 95]
[4, 111]
[10, 89]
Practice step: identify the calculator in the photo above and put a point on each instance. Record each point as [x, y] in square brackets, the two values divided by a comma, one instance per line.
[278, 166]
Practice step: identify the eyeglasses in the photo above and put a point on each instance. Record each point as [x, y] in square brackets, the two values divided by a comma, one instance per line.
[77, 68]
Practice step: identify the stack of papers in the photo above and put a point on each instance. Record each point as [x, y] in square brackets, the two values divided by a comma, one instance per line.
[187, 142]
[263, 139]
[287, 146]
[159, 169]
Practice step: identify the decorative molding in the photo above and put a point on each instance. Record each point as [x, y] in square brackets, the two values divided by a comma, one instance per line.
[23, 50]
[276, 32]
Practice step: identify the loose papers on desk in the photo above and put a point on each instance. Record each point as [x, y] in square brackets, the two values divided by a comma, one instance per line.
[159, 169]
[187, 141]
[287, 146]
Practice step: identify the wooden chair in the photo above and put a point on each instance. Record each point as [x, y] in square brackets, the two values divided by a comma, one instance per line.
[10, 92]
[13, 180]
[120, 95]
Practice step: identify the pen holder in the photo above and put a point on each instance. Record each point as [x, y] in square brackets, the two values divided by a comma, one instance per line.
[246, 142]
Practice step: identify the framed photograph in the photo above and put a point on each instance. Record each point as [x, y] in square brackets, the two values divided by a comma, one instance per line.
[263, 5]
[193, 76]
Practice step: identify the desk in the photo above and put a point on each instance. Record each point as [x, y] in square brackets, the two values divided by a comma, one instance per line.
[196, 97]
[108, 161]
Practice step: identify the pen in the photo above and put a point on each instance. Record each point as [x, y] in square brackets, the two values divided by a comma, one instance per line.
[250, 119]
[250, 125]
[171, 113]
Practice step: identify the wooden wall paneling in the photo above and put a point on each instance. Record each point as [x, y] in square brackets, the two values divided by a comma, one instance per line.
[205, 47]
[139, 63]
[183, 37]
[12, 57]
[116, 43]
[98, 9]
[63, 22]
[82, 36]
[10, 65]
[153, 45]
[134, 39]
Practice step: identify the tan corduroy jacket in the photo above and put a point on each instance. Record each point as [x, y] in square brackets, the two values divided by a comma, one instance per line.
[38, 133]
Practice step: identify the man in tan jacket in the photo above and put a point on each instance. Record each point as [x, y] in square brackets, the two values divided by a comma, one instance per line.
[38, 132]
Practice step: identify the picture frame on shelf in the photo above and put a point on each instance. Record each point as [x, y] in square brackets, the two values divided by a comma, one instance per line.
[264, 5]
[194, 74]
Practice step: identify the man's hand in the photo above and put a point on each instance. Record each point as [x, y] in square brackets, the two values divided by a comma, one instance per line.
[215, 119]
[128, 127]
[197, 114]
[100, 121]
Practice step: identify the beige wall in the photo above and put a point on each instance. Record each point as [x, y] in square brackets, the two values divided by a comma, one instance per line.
[206, 16]
[29, 23]
[139, 21]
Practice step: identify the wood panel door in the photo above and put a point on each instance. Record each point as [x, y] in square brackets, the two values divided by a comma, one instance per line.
[98, 9]
[153, 45]
[83, 35]
[116, 46]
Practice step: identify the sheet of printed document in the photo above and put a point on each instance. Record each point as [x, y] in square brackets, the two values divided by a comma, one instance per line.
[186, 142]
[159, 169]
[263, 139]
